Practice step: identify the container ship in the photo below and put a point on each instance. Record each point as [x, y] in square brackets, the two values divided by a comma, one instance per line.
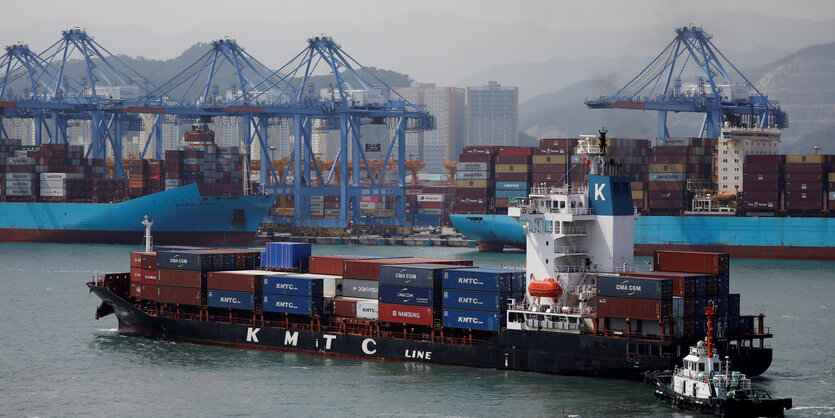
[580, 307]
[51, 193]
[733, 194]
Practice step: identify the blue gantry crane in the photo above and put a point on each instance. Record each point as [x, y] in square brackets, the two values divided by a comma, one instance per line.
[111, 93]
[712, 85]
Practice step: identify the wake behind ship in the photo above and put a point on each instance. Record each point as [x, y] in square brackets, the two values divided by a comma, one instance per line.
[579, 308]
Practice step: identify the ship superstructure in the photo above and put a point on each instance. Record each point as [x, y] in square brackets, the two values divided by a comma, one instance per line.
[573, 234]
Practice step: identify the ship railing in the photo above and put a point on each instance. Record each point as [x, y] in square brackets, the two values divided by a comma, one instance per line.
[569, 250]
[545, 190]
[569, 230]
[569, 269]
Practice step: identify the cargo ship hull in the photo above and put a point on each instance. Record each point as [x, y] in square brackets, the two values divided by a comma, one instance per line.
[744, 237]
[544, 352]
[182, 216]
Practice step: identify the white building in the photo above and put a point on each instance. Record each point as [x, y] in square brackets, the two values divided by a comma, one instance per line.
[734, 145]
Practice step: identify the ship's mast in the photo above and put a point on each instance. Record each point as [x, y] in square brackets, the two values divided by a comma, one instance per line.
[148, 240]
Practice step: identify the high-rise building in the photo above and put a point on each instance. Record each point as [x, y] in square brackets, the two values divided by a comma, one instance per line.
[493, 115]
[435, 147]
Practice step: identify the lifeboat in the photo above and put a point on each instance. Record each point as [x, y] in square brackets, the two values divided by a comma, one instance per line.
[547, 288]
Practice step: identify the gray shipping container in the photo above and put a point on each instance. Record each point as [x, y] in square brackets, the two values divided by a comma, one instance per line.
[634, 287]
[355, 288]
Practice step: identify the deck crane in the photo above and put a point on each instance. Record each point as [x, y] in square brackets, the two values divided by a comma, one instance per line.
[716, 88]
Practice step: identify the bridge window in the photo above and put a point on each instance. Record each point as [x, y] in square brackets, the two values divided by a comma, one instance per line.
[701, 367]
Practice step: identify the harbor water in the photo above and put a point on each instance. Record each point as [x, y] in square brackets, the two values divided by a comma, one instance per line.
[55, 359]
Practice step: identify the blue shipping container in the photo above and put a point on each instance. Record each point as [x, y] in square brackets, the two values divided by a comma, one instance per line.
[635, 287]
[427, 220]
[408, 295]
[701, 287]
[421, 275]
[480, 320]
[678, 307]
[228, 299]
[286, 255]
[486, 279]
[293, 304]
[507, 194]
[293, 286]
[733, 304]
[723, 284]
[185, 260]
[512, 185]
[474, 300]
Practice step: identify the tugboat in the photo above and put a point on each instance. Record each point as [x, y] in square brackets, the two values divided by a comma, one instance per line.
[707, 384]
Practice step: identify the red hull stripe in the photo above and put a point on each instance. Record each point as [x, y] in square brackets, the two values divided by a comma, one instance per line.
[215, 238]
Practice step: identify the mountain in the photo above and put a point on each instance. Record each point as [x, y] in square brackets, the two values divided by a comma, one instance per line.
[804, 83]
[821, 138]
[563, 114]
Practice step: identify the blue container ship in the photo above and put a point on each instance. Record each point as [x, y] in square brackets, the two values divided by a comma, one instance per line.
[182, 215]
[748, 237]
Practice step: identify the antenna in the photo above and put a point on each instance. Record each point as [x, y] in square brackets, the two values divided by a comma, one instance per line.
[148, 222]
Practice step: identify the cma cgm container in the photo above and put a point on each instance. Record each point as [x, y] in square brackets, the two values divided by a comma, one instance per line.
[197, 260]
[474, 300]
[467, 319]
[660, 310]
[418, 275]
[408, 295]
[406, 314]
[634, 287]
[683, 284]
[229, 299]
[298, 305]
[485, 279]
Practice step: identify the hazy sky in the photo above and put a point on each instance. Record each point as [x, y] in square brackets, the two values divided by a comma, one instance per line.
[440, 41]
[170, 18]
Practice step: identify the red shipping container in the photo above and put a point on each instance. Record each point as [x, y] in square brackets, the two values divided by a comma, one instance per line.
[669, 159]
[759, 196]
[407, 314]
[332, 265]
[136, 274]
[475, 158]
[548, 169]
[612, 307]
[431, 205]
[513, 177]
[345, 307]
[805, 168]
[760, 188]
[181, 278]
[148, 291]
[805, 187]
[149, 276]
[512, 158]
[764, 159]
[805, 205]
[481, 149]
[149, 261]
[798, 196]
[551, 151]
[557, 142]
[471, 208]
[515, 151]
[234, 281]
[545, 177]
[768, 177]
[671, 150]
[805, 177]
[665, 204]
[135, 289]
[691, 262]
[666, 186]
[178, 295]
[136, 259]
[671, 195]
[473, 193]
[502, 203]
[762, 168]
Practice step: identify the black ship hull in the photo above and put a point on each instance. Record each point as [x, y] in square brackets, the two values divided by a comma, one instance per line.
[544, 352]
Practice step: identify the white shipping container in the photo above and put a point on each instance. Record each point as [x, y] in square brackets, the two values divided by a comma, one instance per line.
[370, 205]
[19, 184]
[54, 192]
[60, 176]
[192, 161]
[20, 161]
[20, 176]
[18, 192]
[331, 212]
[52, 184]
[21, 154]
[173, 183]
[472, 175]
[317, 205]
[331, 285]
[367, 309]
[472, 167]
[317, 198]
[430, 198]
[432, 211]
